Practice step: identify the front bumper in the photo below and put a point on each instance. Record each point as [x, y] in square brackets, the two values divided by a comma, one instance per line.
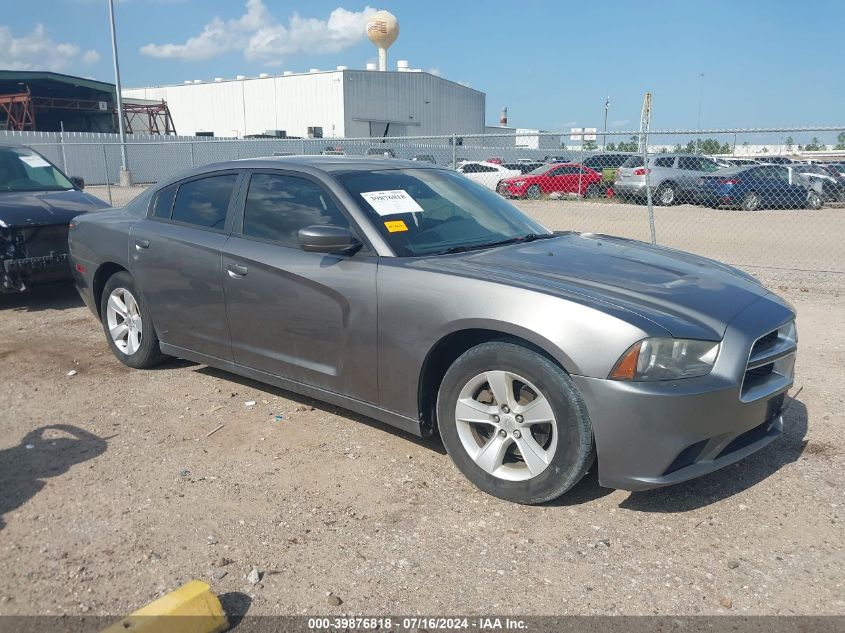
[31, 255]
[652, 434]
[511, 190]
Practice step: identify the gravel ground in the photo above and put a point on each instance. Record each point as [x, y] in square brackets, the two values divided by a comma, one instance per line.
[112, 492]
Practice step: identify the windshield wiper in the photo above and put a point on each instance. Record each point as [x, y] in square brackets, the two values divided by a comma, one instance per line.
[536, 236]
[530, 237]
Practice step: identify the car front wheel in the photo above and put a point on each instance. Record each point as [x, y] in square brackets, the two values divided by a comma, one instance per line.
[514, 423]
[533, 192]
[127, 323]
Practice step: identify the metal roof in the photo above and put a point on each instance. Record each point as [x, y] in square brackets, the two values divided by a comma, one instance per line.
[30, 76]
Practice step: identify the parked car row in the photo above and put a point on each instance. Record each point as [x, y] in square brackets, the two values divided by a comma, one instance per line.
[745, 184]
[672, 177]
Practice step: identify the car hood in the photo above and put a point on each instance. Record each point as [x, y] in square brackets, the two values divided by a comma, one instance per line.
[687, 295]
[33, 208]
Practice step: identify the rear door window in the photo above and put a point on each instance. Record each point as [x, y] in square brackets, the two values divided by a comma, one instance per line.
[665, 161]
[205, 201]
[689, 163]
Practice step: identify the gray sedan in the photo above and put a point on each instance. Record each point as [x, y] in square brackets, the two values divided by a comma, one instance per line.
[410, 294]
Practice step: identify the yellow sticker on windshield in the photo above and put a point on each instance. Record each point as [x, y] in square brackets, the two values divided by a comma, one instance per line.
[396, 226]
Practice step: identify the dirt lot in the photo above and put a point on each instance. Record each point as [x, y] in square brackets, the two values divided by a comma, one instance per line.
[112, 492]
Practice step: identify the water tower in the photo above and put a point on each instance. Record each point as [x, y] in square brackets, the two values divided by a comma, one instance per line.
[383, 29]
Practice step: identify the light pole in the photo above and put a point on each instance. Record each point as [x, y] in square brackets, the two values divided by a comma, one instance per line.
[698, 125]
[125, 176]
[604, 136]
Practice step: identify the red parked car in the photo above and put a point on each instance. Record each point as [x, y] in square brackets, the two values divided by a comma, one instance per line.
[557, 178]
[496, 160]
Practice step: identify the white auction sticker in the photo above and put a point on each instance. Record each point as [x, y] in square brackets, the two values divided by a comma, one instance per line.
[391, 202]
[34, 161]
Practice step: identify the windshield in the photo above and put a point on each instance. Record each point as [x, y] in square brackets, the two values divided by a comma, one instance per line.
[812, 169]
[21, 169]
[542, 169]
[431, 211]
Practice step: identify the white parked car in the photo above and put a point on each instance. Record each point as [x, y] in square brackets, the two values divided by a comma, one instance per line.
[487, 174]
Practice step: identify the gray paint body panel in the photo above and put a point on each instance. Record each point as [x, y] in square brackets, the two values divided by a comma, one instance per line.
[356, 330]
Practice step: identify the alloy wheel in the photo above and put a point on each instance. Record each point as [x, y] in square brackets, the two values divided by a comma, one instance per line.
[751, 202]
[506, 425]
[124, 321]
[667, 196]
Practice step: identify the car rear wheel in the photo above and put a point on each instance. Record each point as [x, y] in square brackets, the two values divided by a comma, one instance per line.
[128, 325]
[533, 192]
[814, 200]
[751, 201]
[666, 194]
[514, 423]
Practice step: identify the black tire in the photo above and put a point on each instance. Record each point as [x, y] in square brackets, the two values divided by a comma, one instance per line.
[573, 454]
[593, 191]
[814, 200]
[751, 201]
[148, 353]
[666, 195]
[533, 192]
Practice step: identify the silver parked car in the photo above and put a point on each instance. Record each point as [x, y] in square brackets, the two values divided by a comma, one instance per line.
[672, 177]
[410, 294]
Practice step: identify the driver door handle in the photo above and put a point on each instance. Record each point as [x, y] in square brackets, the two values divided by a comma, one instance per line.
[236, 271]
[142, 244]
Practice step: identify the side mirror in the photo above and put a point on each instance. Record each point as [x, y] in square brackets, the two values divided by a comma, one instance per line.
[78, 182]
[327, 239]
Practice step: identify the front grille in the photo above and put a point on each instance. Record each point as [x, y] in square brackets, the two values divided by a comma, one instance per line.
[770, 363]
[686, 457]
[746, 439]
[764, 341]
[773, 410]
[758, 374]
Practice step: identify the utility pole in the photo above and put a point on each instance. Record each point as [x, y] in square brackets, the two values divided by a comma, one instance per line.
[125, 175]
[604, 136]
[698, 125]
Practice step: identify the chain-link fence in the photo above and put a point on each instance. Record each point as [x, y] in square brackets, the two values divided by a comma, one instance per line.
[771, 198]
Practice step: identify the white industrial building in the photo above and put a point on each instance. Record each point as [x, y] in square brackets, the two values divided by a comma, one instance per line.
[336, 103]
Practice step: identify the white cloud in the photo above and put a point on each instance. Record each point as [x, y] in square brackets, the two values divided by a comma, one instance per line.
[90, 57]
[37, 51]
[261, 37]
[434, 71]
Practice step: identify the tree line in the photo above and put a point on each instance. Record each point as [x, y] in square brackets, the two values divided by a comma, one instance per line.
[712, 146]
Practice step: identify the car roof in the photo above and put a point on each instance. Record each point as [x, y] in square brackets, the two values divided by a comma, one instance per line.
[305, 163]
[321, 163]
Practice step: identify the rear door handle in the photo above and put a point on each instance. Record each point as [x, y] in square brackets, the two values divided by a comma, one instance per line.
[236, 271]
[142, 244]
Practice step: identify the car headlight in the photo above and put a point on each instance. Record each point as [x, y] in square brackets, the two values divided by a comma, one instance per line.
[519, 183]
[666, 358]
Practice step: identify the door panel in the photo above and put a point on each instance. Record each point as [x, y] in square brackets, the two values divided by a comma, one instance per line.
[177, 269]
[309, 317]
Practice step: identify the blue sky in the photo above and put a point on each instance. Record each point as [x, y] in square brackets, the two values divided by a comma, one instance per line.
[765, 63]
